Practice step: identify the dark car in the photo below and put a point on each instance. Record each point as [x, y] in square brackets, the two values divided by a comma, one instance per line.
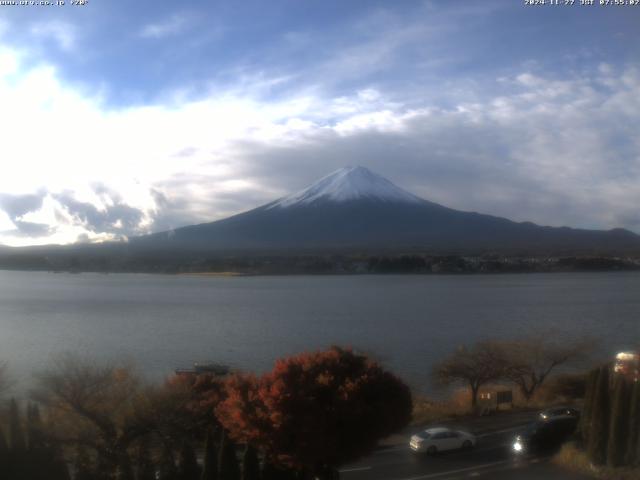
[545, 435]
[558, 412]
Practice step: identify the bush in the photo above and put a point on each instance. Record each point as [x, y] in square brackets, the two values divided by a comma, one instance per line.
[427, 411]
[573, 458]
[568, 386]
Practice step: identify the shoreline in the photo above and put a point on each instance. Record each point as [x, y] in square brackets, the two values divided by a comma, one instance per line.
[205, 274]
[234, 274]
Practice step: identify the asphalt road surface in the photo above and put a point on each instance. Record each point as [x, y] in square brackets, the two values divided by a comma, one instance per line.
[492, 458]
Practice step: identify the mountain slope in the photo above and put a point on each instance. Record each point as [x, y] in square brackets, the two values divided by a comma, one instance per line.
[354, 208]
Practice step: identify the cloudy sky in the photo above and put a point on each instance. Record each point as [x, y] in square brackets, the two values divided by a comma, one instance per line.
[120, 118]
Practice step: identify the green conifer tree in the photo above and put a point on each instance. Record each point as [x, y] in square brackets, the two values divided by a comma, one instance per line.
[145, 469]
[269, 470]
[167, 465]
[633, 446]
[59, 469]
[82, 466]
[16, 435]
[38, 458]
[585, 418]
[228, 468]
[619, 424]
[210, 465]
[4, 453]
[188, 464]
[124, 470]
[35, 430]
[250, 464]
[599, 429]
[18, 462]
[104, 468]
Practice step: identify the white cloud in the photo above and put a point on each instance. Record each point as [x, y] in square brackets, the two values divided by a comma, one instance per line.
[4, 26]
[566, 154]
[8, 62]
[165, 28]
[64, 34]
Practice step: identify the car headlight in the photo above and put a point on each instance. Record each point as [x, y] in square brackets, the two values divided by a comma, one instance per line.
[517, 446]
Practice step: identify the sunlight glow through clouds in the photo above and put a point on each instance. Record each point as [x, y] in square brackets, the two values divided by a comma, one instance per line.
[66, 142]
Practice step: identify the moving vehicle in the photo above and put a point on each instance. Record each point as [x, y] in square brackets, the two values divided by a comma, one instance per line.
[434, 440]
[558, 412]
[545, 435]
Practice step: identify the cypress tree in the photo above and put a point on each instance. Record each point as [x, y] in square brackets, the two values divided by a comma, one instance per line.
[82, 465]
[585, 418]
[210, 466]
[53, 465]
[269, 470]
[272, 472]
[18, 464]
[4, 453]
[124, 470]
[619, 426]
[599, 429]
[167, 465]
[633, 446]
[228, 468]
[16, 435]
[58, 466]
[104, 467]
[35, 431]
[188, 465]
[39, 460]
[250, 464]
[145, 469]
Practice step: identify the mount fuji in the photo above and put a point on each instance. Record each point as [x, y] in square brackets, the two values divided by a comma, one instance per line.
[356, 209]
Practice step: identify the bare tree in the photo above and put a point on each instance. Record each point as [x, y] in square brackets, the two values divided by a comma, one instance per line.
[92, 406]
[473, 366]
[530, 360]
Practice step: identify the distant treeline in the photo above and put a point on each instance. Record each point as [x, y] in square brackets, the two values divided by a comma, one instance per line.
[312, 264]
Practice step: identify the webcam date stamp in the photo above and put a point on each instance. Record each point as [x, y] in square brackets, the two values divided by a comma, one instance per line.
[44, 3]
[583, 3]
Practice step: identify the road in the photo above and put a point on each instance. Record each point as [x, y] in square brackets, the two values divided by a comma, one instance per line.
[492, 459]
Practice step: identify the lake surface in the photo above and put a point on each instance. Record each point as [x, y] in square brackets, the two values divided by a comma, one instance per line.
[161, 322]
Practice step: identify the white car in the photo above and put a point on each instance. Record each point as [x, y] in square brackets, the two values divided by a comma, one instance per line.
[435, 440]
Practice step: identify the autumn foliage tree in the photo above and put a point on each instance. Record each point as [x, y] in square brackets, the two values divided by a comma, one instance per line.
[316, 411]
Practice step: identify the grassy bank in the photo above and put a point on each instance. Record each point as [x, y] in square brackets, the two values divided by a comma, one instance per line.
[457, 405]
[572, 457]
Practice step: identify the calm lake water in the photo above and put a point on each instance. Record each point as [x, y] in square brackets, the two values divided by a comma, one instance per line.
[407, 322]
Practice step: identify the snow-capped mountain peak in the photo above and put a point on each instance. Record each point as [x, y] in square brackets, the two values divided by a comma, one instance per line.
[346, 184]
